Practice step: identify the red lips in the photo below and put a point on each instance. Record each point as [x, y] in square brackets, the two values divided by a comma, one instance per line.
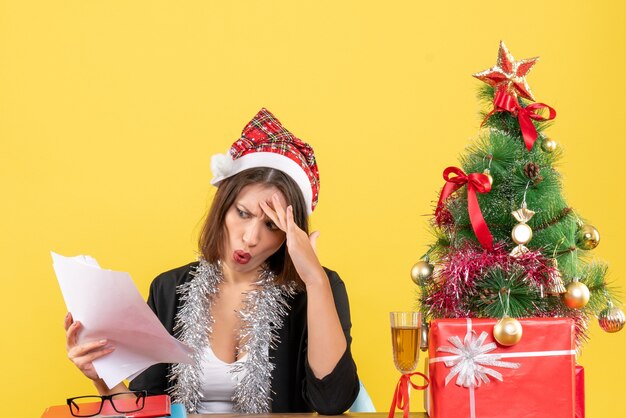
[241, 257]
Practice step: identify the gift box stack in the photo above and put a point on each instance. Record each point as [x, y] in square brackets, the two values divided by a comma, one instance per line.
[506, 287]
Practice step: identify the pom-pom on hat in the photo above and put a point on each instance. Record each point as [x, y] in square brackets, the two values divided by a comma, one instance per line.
[264, 142]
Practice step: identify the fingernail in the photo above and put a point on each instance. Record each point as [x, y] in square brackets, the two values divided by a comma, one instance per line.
[102, 342]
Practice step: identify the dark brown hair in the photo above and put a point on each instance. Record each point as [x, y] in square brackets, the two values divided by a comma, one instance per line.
[213, 233]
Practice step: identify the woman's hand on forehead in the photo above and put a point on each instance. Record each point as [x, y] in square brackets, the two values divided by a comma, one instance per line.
[275, 210]
[301, 247]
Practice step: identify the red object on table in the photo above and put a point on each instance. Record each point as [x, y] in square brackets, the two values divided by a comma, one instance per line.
[580, 391]
[533, 378]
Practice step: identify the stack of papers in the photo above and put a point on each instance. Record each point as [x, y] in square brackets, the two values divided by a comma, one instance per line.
[108, 305]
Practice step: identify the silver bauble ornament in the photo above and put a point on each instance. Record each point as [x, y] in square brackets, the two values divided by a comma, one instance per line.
[507, 331]
[611, 319]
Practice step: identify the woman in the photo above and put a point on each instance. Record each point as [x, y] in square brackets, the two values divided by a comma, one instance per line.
[269, 326]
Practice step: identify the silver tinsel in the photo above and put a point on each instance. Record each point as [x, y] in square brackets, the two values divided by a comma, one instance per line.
[261, 317]
[194, 324]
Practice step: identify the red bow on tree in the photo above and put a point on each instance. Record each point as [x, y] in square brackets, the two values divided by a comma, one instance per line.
[503, 101]
[476, 182]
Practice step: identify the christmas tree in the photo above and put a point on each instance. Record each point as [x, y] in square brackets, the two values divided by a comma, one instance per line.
[507, 244]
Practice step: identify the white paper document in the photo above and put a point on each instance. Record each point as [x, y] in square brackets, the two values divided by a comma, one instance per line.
[108, 305]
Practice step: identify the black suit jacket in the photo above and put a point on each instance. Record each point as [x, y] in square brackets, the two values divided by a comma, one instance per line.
[294, 386]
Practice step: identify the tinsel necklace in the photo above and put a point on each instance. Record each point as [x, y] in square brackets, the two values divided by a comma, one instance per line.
[262, 315]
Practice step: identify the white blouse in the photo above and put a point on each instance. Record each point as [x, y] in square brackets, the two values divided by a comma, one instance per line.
[217, 383]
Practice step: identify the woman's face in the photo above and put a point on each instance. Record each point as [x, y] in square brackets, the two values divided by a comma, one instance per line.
[251, 237]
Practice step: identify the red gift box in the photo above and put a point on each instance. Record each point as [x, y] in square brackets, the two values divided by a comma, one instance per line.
[533, 378]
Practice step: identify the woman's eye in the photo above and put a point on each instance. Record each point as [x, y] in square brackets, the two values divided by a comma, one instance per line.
[271, 226]
[242, 213]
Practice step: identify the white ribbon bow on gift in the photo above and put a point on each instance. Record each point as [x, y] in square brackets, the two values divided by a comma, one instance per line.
[471, 360]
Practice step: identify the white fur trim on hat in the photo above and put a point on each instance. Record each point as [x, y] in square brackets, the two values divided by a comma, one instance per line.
[223, 167]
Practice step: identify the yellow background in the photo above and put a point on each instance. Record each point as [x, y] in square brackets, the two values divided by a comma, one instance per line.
[110, 111]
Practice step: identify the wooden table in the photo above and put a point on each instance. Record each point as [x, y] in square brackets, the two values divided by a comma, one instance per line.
[311, 415]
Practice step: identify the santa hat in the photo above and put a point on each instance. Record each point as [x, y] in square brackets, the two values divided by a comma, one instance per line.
[264, 142]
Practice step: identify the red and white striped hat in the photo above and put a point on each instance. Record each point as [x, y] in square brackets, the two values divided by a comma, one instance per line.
[264, 142]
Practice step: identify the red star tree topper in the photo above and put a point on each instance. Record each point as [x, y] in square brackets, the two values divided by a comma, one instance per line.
[508, 74]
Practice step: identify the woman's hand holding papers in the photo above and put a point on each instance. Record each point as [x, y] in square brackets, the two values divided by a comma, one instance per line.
[83, 355]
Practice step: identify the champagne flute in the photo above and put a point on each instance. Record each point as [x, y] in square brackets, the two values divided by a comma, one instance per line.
[405, 338]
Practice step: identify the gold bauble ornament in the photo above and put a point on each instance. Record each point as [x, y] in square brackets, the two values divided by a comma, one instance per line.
[487, 173]
[421, 271]
[611, 319]
[549, 145]
[507, 331]
[577, 294]
[587, 237]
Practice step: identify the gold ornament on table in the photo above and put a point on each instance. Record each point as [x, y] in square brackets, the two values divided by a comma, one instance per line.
[549, 145]
[521, 233]
[611, 319]
[577, 294]
[556, 286]
[507, 331]
[587, 237]
[422, 271]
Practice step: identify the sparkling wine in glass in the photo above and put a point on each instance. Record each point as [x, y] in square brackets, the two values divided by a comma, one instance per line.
[405, 339]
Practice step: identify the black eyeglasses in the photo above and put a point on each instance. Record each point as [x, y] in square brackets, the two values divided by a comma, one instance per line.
[89, 406]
